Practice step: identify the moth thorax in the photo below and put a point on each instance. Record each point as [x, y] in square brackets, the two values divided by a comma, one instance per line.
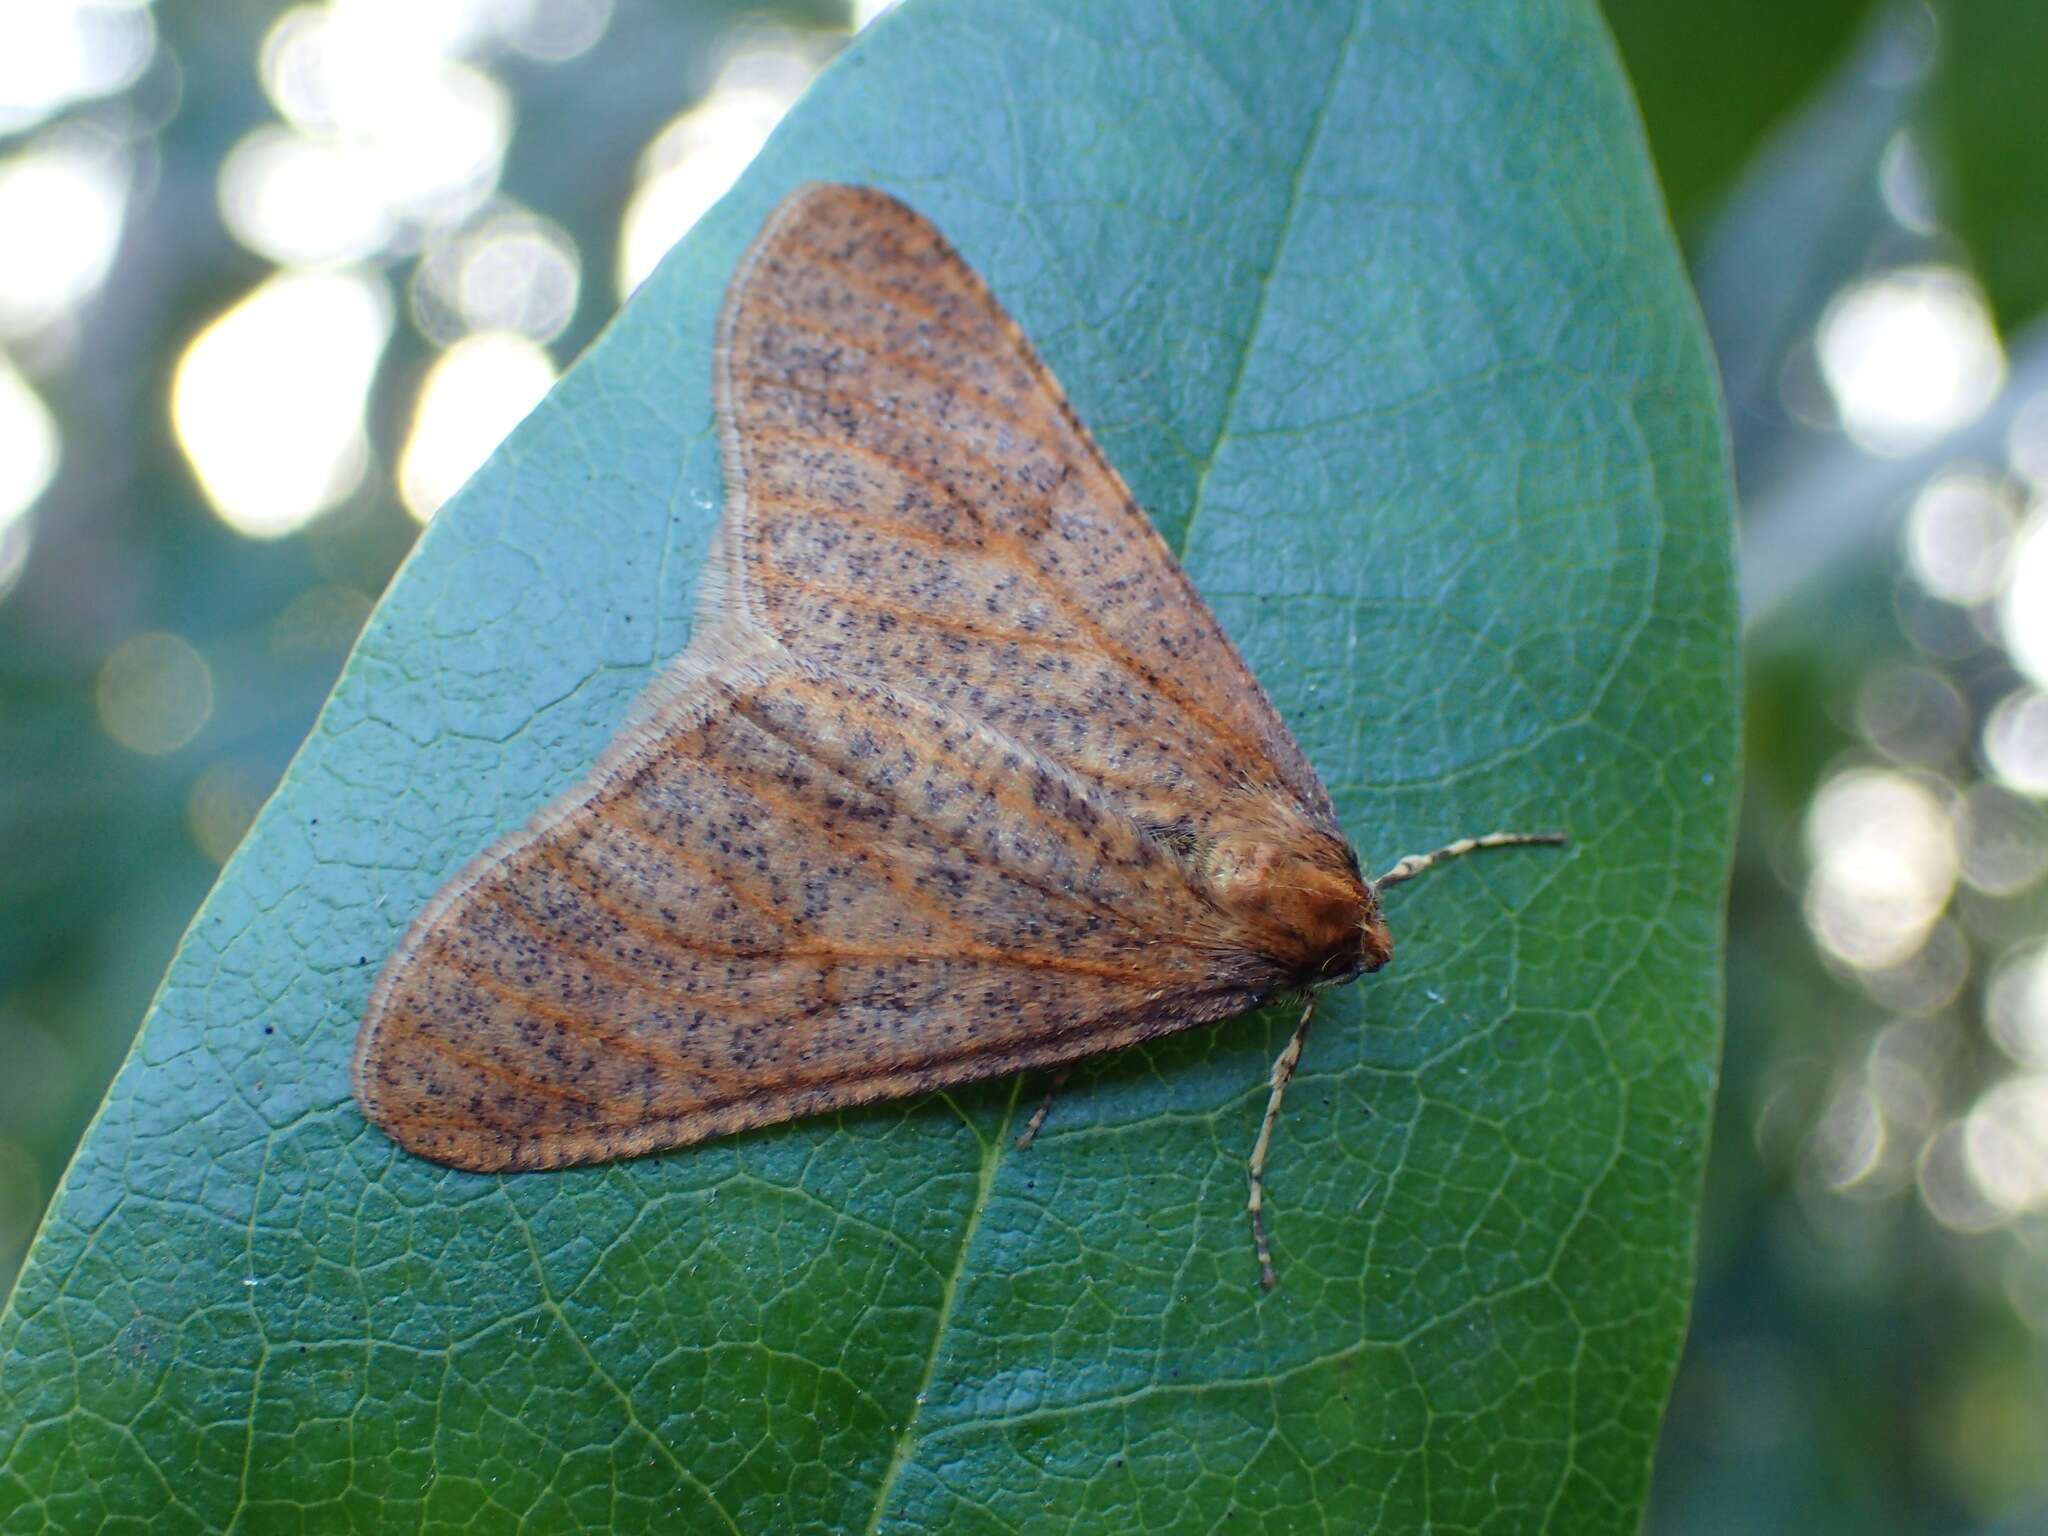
[1298, 896]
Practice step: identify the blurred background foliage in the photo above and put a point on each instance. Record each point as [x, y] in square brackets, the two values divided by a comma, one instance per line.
[274, 279]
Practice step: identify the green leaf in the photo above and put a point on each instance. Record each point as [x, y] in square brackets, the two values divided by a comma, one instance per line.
[1717, 77]
[1987, 113]
[1375, 307]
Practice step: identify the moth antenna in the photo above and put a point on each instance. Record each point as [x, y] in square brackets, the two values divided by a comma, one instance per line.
[1420, 863]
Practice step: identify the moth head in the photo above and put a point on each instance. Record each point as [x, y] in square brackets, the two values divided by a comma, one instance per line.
[1295, 893]
[1375, 940]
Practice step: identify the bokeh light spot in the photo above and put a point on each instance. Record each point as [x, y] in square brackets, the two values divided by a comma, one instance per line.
[476, 392]
[691, 166]
[1849, 1137]
[1985, 1421]
[2005, 840]
[1959, 535]
[2026, 441]
[509, 270]
[1903, 182]
[2006, 1143]
[378, 77]
[1927, 980]
[1906, 1064]
[28, 462]
[521, 281]
[2016, 1007]
[2023, 612]
[319, 623]
[1884, 863]
[2016, 741]
[301, 201]
[1948, 1186]
[1909, 355]
[71, 191]
[555, 31]
[1914, 714]
[268, 400]
[223, 801]
[155, 693]
[55, 52]
[694, 161]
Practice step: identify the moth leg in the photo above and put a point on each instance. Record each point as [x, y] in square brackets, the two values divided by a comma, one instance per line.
[1052, 1087]
[1283, 1074]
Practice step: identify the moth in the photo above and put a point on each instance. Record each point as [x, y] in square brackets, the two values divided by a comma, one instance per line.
[957, 777]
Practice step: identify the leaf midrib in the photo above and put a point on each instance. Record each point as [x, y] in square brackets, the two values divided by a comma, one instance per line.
[992, 1153]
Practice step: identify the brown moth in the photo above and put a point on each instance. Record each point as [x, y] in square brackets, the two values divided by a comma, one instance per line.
[958, 776]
